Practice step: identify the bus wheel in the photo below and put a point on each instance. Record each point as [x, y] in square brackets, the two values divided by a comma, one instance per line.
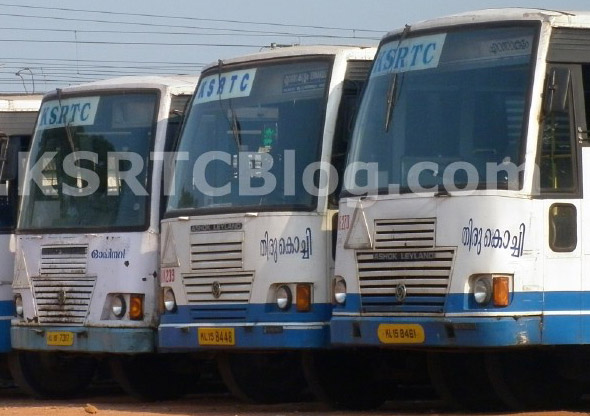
[461, 380]
[153, 377]
[531, 380]
[263, 377]
[346, 379]
[51, 375]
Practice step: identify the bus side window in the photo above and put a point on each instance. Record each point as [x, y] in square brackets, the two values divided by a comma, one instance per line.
[557, 162]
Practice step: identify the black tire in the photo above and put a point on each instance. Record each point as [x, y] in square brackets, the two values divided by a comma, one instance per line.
[154, 377]
[346, 379]
[531, 379]
[46, 375]
[269, 377]
[461, 380]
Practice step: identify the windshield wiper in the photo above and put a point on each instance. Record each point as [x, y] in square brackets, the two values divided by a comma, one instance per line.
[67, 126]
[235, 127]
[392, 91]
[234, 124]
[391, 99]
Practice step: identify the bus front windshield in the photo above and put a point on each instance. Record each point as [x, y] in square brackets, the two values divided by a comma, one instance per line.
[249, 136]
[89, 162]
[444, 110]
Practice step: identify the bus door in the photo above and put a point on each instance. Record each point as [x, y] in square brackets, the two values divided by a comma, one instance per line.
[564, 160]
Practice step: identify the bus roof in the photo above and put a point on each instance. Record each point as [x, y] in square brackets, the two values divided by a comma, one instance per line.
[356, 52]
[20, 102]
[177, 84]
[18, 113]
[554, 17]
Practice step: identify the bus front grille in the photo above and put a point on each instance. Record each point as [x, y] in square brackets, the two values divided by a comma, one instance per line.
[404, 234]
[63, 260]
[216, 252]
[63, 300]
[218, 288]
[404, 282]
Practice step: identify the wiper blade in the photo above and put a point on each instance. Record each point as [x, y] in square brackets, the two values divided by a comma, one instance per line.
[67, 126]
[392, 91]
[235, 128]
[391, 99]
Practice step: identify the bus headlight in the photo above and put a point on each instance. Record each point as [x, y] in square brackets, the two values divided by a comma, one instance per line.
[118, 306]
[283, 297]
[169, 299]
[482, 290]
[339, 290]
[18, 305]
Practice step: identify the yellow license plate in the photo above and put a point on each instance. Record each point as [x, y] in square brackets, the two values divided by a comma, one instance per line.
[61, 339]
[400, 333]
[216, 336]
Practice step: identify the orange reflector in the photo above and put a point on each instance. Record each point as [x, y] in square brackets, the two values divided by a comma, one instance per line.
[136, 307]
[303, 298]
[501, 290]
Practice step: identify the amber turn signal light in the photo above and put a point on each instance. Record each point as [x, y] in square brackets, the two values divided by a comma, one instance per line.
[303, 297]
[501, 290]
[136, 307]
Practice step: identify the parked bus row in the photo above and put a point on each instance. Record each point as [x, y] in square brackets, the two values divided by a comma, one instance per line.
[305, 236]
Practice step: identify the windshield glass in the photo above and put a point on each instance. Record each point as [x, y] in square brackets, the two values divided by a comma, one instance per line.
[440, 108]
[89, 161]
[249, 136]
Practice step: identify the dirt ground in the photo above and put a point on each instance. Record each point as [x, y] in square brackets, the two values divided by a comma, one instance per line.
[112, 402]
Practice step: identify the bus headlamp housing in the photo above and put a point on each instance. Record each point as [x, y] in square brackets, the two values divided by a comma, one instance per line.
[491, 288]
[18, 305]
[339, 285]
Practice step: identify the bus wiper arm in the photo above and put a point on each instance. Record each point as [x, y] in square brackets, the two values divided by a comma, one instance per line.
[67, 126]
[392, 91]
[235, 128]
[391, 99]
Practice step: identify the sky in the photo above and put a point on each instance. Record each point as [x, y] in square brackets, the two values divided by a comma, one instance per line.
[48, 44]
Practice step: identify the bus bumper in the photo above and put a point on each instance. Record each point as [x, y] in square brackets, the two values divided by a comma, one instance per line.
[244, 336]
[477, 332]
[84, 339]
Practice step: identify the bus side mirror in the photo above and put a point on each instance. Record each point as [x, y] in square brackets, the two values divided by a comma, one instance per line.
[556, 90]
[9, 147]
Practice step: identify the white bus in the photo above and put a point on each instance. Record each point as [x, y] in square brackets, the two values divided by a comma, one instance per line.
[18, 113]
[462, 217]
[247, 243]
[87, 239]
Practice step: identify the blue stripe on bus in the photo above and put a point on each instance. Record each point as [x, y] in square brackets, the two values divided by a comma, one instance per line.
[7, 308]
[6, 312]
[187, 314]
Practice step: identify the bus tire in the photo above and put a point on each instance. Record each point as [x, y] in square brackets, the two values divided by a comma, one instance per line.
[269, 377]
[51, 375]
[461, 380]
[345, 379]
[529, 379]
[154, 377]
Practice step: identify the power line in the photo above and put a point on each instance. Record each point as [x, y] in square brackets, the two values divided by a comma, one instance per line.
[104, 60]
[98, 42]
[191, 18]
[133, 32]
